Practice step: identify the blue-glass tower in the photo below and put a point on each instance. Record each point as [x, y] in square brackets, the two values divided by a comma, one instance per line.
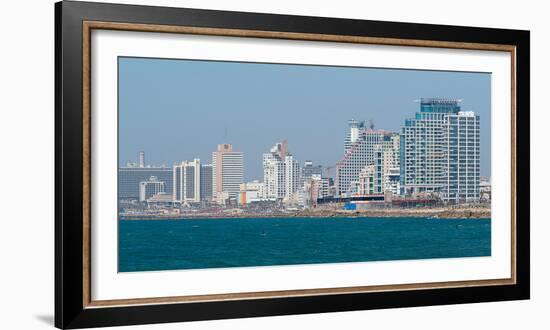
[440, 152]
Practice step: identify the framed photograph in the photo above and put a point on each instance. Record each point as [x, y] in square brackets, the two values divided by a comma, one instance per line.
[214, 164]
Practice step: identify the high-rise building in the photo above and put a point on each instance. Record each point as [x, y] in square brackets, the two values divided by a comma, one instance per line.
[462, 135]
[440, 151]
[142, 159]
[274, 173]
[281, 172]
[129, 178]
[355, 129]
[292, 176]
[371, 177]
[359, 151]
[206, 183]
[187, 182]
[227, 173]
[387, 163]
[150, 188]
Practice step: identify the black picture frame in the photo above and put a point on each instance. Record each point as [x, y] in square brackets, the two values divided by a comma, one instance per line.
[70, 309]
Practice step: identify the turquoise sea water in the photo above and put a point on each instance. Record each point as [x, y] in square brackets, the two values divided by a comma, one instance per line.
[217, 243]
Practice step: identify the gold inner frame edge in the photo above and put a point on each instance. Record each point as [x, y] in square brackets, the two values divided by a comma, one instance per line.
[88, 26]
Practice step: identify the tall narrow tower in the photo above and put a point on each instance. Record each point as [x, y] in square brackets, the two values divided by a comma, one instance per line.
[187, 182]
[227, 172]
[281, 172]
[142, 159]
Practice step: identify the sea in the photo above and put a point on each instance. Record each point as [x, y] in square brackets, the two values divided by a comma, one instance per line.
[155, 245]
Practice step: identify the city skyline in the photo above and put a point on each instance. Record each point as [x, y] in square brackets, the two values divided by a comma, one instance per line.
[314, 132]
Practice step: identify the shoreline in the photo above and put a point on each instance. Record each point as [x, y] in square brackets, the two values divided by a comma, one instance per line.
[435, 213]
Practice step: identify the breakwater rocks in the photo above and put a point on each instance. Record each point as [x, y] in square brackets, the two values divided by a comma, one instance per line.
[442, 213]
[433, 213]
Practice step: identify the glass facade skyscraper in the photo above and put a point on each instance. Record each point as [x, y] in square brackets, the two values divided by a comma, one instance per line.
[440, 151]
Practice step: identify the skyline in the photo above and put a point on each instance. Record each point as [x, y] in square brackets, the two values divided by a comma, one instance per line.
[177, 110]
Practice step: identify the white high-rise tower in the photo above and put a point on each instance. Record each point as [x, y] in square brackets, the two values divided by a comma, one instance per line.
[440, 151]
[281, 172]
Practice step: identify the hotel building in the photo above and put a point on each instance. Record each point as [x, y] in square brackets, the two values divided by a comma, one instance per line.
[227, 173]
[440, 151]
[359, 151]
[150, 188]
[187, 182]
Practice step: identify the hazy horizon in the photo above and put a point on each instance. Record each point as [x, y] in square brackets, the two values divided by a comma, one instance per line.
[177, 110]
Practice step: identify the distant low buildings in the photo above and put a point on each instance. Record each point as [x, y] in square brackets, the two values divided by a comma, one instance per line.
[160, 200]
[251, 192]
[131, 175]
[485, 189]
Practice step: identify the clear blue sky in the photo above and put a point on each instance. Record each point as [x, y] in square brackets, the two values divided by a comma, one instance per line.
[176, 110]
